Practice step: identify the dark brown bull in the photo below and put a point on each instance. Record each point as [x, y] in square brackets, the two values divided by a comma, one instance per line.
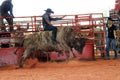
[42, 41]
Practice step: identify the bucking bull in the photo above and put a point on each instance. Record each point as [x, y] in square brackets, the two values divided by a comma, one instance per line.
[41, 41]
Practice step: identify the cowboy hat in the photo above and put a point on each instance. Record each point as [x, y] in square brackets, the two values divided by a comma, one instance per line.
[49, 10]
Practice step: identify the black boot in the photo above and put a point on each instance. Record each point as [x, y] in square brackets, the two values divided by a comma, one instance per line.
[55, 42]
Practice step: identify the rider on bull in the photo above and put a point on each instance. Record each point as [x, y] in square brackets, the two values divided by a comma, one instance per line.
[46, 20]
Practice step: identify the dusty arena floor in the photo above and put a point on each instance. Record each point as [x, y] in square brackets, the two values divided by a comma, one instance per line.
[74, 70]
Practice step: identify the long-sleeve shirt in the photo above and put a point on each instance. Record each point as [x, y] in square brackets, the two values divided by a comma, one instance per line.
[46, 18]
[5, 7]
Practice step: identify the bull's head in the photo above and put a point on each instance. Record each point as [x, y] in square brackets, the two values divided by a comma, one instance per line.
[75, 40]
[79, 44]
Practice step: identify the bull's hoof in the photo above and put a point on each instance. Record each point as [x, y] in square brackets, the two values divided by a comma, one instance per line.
[20, 66]
[60, 54]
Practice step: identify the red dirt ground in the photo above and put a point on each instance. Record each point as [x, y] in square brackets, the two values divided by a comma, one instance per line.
[74, 70]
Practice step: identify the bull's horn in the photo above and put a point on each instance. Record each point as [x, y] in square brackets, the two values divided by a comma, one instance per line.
[76, 37]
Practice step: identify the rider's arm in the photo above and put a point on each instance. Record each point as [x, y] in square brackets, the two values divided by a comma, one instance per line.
[46, 17]
[54, 19]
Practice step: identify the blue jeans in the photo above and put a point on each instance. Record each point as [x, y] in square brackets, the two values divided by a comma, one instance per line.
[113, 41]
[54, 31]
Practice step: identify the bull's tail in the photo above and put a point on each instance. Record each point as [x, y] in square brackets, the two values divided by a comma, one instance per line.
[20, 45]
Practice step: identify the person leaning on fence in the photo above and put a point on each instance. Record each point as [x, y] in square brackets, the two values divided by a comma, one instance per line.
[46, 21]
[111, 38]
[7, 12]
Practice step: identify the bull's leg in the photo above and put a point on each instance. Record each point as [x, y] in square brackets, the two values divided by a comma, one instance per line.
[24, 56]
[67, 50]
[74, 56]
[67, 55]
[21, 62]
[60, 53]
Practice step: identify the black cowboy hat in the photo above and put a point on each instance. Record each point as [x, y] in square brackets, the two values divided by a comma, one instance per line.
[49, 10]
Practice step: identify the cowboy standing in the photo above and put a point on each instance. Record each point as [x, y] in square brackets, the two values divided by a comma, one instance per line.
[7, 12]
[111, 39]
